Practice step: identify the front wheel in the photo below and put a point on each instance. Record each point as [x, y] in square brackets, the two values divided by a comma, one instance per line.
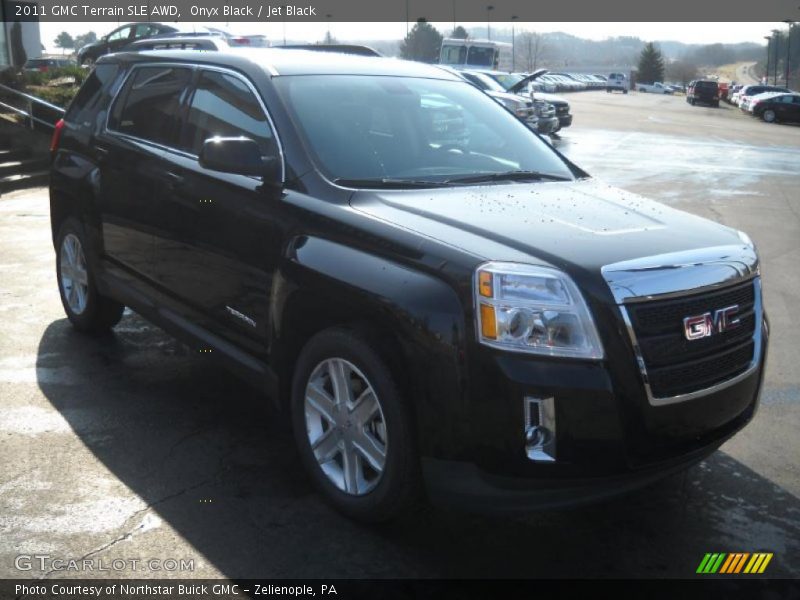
[352, 427]
[86, 308]
[769, 116]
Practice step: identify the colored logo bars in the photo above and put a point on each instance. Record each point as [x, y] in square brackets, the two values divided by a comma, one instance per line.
[734, 563]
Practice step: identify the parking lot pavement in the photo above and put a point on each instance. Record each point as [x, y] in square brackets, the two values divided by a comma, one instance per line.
[131, 448]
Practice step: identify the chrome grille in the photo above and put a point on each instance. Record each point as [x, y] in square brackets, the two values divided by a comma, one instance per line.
[674, 366]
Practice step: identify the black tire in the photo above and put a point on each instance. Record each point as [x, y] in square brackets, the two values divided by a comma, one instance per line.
[99, 313]
[716, 105]
[624, 91]
[691, 101]
[398, 487]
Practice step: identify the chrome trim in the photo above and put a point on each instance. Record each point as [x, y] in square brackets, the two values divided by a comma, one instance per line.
[540, 429]
[754, 363]
[680, 273]
[192, 66]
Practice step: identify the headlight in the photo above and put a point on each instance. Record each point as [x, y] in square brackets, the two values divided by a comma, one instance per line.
[538, 310]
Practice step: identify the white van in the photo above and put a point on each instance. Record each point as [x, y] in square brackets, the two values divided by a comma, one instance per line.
[476, 54]
[618, 82]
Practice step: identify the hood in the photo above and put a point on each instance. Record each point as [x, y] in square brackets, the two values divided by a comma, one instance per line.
[577, 226]
[551, 98]
[521, 85]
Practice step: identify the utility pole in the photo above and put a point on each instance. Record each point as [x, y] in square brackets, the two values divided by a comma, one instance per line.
[790, 23]
[513, 45]
[775, 32]
[769, 41]
[489, 10]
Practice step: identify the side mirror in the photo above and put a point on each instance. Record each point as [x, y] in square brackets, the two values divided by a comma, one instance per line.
[239, 155]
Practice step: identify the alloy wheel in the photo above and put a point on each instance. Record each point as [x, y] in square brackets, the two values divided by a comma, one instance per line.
[74, 274]
[345, 426]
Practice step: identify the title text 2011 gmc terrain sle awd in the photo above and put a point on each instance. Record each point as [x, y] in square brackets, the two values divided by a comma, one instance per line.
[440, 300]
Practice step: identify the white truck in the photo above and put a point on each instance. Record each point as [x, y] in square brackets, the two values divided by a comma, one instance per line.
[654, 88]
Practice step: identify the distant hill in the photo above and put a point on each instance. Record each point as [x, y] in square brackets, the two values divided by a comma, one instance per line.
[560, 50]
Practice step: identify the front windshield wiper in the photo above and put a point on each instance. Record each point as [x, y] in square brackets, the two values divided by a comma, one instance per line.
[507, 176]
[388, 182]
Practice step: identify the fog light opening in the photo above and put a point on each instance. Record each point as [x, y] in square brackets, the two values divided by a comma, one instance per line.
[540, 429]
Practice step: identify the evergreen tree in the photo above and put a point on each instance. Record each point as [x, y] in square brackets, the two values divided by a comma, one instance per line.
[459, 33]
[423, 43]
[651, 64]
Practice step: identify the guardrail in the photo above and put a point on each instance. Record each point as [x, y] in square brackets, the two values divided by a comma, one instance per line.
[30, 102]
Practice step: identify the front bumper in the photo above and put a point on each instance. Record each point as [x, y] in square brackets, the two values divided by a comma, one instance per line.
[609, 438]
[565, 120]
[548, 125]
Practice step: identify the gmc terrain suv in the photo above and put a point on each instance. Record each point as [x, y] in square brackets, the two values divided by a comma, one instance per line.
[439, 299]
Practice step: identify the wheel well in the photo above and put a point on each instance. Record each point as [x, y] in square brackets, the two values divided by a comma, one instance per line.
[62, 206]
[306, 316]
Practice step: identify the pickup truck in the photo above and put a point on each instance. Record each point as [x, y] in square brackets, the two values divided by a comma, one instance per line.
[654, 88]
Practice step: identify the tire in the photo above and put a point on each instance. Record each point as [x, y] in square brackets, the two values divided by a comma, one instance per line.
[86, 308]
[715, 105]
[364, 492]
[769, 116]
[691, 101]
[624, 91]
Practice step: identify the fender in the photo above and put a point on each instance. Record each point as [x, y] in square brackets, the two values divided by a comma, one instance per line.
[419, 318]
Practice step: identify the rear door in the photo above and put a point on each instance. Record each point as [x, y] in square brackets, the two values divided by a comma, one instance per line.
[143, 120]
[221, 232]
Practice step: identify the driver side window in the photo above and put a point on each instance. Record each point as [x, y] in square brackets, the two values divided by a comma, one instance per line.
[120, 34]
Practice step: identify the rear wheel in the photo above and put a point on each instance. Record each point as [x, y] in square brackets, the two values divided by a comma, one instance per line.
[86, 308]
[352, 427]
[769, 116]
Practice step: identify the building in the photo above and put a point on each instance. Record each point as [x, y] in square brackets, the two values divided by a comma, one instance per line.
[19, 40]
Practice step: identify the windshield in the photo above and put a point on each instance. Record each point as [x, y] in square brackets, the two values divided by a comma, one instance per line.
[416, 130]
[480, 56]
[507, 80]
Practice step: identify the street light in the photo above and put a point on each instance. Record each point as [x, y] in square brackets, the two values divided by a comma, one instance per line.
[790, 23]
[769, 40]
[513, 44]
[489, 10]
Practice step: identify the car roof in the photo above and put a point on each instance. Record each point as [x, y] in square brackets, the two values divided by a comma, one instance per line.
[278, 61]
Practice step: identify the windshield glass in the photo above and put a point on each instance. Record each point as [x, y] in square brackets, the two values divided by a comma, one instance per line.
[507, 80]
[480, 56]
[412, 129]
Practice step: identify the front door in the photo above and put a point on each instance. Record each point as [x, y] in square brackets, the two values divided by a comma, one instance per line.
[221, 232]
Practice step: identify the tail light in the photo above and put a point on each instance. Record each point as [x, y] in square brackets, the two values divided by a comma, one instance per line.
[54, 141]
[242, 41]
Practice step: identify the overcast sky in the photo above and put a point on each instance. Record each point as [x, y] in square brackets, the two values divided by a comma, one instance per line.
[700, 33]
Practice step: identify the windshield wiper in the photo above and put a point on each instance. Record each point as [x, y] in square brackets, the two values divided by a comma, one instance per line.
[388, 182]
[507, 176]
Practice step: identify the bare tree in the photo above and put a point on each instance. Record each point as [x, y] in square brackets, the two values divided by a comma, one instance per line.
[530, 48]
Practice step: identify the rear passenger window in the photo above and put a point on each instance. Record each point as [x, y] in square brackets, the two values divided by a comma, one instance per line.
[223, 105]
[148, 105]
[88, 97]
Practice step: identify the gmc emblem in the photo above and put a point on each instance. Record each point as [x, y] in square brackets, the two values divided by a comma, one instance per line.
[706, 325]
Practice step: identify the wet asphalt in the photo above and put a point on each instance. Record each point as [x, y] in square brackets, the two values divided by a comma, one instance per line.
[131, 448]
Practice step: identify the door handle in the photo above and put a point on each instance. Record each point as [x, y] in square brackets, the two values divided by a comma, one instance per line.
[102, 153]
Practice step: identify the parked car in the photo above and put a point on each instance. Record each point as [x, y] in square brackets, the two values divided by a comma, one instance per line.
[703, 90]
[733, 94]
[724, 88]
[436, 298]
[43, 65]
[518, 83]
[754, 90]
[119, 38]
[654, 88]
[617, 82]
[776, 106]
[521, 106]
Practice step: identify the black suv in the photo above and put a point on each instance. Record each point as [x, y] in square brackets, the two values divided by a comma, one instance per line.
[704, 91]
[434, 294]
